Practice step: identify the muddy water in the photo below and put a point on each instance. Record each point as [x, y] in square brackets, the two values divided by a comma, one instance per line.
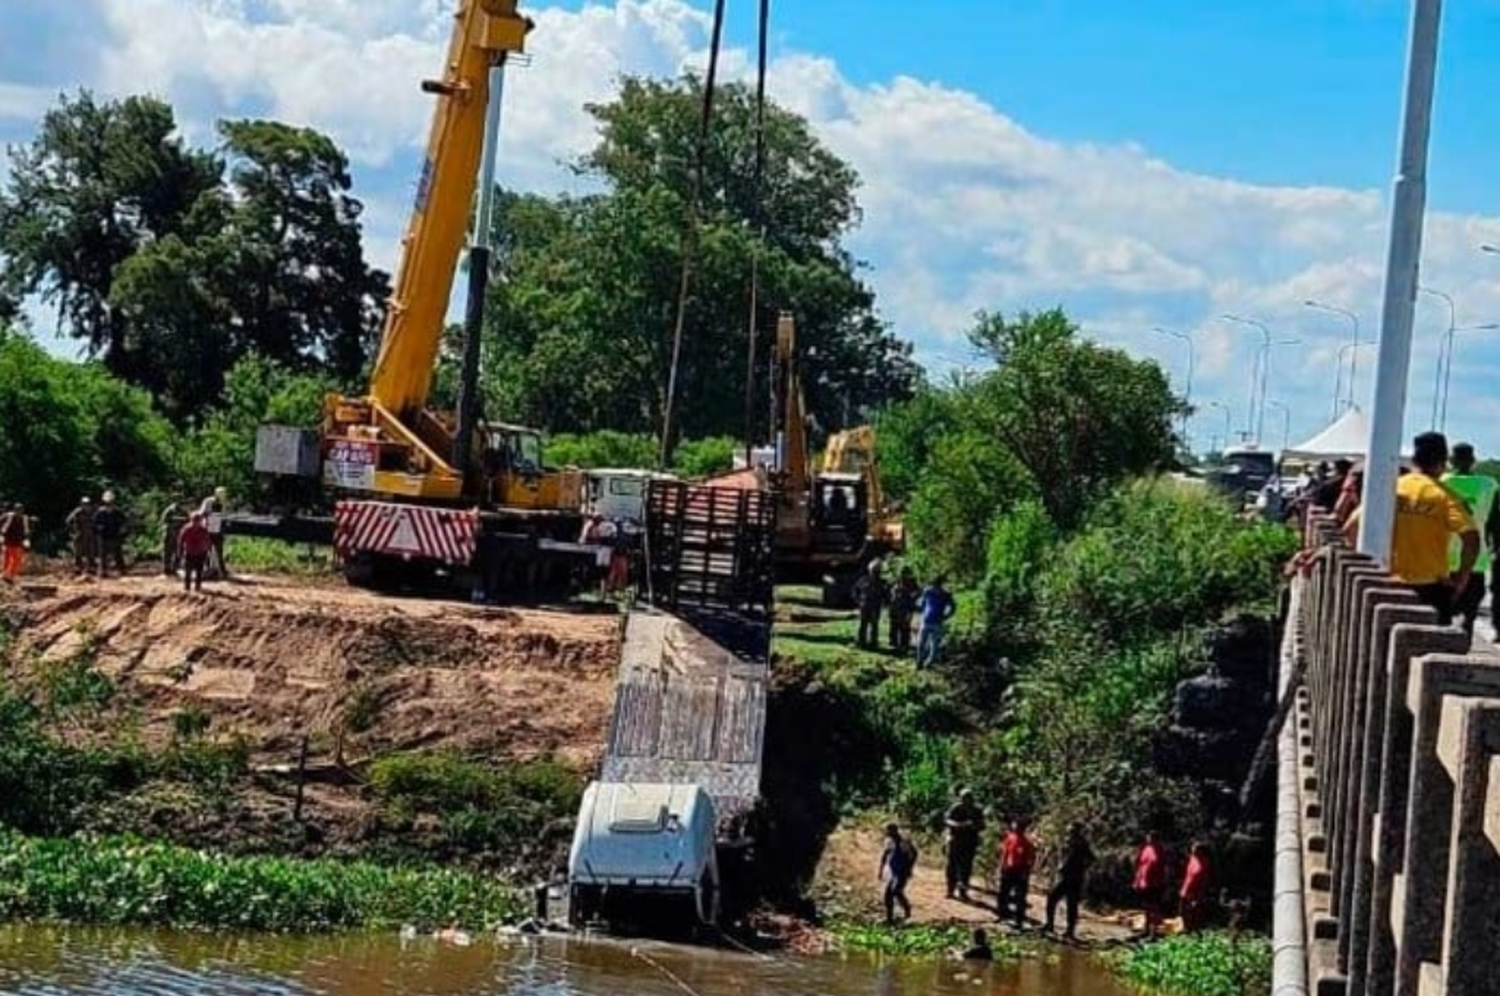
[39, 961]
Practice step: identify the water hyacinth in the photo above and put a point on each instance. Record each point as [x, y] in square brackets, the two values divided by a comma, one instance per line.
[116, 881]
[1211, 964]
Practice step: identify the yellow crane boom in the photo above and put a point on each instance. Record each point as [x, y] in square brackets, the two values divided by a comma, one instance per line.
[413, 446]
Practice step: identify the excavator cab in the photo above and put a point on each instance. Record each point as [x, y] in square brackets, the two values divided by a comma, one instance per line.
[840, 513]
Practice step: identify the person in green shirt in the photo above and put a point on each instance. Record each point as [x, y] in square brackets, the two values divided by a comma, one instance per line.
[1479, 492]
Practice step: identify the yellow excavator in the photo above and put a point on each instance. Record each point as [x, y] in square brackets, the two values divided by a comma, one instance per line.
[417, 490]
[830, 522]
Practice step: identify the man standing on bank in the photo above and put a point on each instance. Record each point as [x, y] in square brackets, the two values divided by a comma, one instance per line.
[965, 823]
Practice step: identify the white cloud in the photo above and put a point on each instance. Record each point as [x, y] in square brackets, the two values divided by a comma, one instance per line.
[23, 103]
[965, 208]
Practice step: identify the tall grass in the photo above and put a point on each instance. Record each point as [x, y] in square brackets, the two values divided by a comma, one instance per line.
[117, 881]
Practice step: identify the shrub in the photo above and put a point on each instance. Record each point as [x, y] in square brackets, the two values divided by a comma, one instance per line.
[481, 808]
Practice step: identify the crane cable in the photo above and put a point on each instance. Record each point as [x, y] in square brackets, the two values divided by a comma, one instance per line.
[690, 236]
[758, 224]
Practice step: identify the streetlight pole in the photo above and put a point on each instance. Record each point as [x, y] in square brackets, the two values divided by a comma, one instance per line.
[1286, 422]
[1257, 399]
[1187, 387]
[1228, 417]
[1403, 263]
[1448, 368]
[1354, 338]
[1445, 350]
[1348, 347]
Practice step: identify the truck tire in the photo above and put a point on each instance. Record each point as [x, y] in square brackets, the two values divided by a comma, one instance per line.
[707, 896]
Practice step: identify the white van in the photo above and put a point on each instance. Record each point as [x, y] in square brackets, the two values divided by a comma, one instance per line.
[639, 844]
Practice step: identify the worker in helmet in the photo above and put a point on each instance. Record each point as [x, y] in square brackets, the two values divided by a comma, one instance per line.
[80, 523]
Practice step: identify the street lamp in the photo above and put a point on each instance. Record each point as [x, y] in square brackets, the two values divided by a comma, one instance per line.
[1354, 338]
[1286, 423]
[1187, 388]
[1228, 417]
[1254, 375]
[1445, 349]
[1338, 373]
[1490, 249]
[1448, 369]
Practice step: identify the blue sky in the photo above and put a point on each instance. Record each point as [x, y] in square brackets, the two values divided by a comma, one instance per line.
[1148, 164]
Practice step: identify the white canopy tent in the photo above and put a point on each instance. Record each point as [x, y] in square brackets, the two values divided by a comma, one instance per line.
[1347, 437]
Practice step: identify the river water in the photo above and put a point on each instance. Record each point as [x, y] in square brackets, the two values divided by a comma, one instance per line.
[46, 961]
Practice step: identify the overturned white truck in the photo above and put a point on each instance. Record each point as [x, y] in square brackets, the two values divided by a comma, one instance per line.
[644, 851]
[661, 835]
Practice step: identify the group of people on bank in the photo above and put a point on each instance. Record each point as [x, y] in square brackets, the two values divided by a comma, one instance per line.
[1157, 890]
[901, 602]
[192, 538]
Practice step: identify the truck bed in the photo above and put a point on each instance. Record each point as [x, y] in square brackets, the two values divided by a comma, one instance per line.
[690, 708]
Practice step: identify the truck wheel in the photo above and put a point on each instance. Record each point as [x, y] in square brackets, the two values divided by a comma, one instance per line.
[708, 900]
[582, 905]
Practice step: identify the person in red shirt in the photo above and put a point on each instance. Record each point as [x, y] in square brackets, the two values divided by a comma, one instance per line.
[194, 542]
[1193, 897]
[1150, 881]
[1017, 856]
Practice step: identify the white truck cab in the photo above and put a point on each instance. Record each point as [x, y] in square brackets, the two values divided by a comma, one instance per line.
[619, 495]
[643, 843]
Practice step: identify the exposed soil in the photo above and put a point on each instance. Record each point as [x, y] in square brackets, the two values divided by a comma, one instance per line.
[272, 661]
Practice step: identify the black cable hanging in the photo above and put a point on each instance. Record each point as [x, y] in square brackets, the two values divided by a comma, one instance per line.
[758, 225]
[690, 237]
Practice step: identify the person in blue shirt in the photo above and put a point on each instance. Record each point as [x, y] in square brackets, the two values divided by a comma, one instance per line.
[937, 607]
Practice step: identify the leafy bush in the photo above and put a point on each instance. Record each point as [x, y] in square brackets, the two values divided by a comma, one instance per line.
[1200, 965]
[1156, 557]
[704, 457]
[122, 881]
[481, 808]
[602, 449]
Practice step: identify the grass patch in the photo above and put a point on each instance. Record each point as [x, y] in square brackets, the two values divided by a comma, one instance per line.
[915, 940]
[1213, 964]
[118, 881]
[256, 553]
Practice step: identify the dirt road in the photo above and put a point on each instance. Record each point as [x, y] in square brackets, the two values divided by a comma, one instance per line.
[271, 660]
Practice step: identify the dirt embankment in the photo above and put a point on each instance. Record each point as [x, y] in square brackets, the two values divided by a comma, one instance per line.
[271, 661]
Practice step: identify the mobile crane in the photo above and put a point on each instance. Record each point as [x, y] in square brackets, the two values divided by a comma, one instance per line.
[419, 490]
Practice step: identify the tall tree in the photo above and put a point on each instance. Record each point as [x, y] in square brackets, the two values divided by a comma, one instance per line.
[1078, 416]
[583, 320]
[171, 271]
[100, 180]
[302, 292]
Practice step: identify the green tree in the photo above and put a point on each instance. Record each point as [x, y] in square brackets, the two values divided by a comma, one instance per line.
[72, 429]
[100, 180]
[1077, 416]
[300, 292]
[584, 318]
[171, 271]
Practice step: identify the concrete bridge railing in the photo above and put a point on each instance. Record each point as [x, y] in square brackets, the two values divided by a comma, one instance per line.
[1397, 784]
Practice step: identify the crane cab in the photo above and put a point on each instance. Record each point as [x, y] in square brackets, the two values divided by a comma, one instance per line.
[513, 474]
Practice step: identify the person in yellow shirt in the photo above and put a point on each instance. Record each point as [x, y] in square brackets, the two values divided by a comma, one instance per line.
[1428, 514]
